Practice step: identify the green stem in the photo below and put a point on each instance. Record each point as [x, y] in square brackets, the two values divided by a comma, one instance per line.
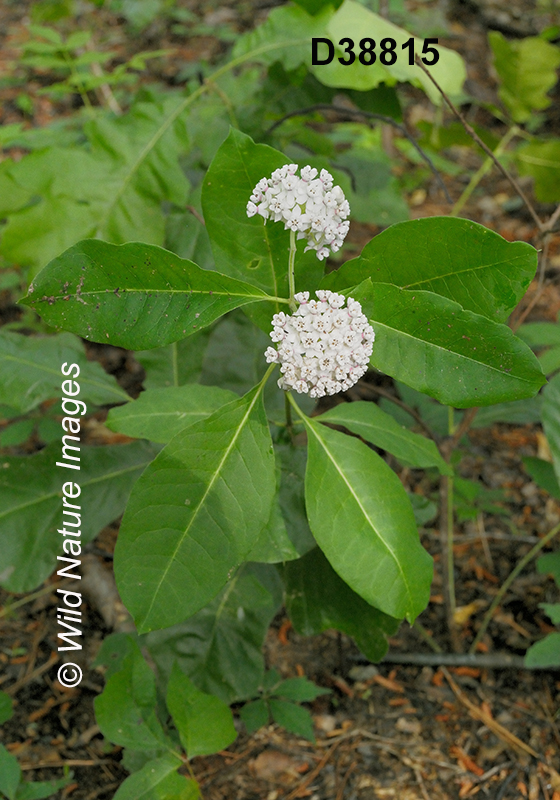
[482, 171]
[30, 597]
[289, 422]
[507, 583]
[419, 628]
[450, 557]
[291, 270]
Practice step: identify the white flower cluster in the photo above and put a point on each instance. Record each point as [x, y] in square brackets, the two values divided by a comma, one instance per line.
[310, 205]
[323, 348]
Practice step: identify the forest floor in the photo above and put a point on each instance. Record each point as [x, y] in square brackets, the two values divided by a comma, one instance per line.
[403, 731]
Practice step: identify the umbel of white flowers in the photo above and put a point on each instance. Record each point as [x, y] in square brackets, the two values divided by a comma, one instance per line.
[323, 348]
[310, 205]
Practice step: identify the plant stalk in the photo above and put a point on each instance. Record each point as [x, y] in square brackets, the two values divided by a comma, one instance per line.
[291, 270]
[482, 171]
[507, 583]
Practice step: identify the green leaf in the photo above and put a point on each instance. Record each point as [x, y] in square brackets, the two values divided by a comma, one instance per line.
[17, 433]
[299, 690]
[371, 423]
[133, 295]
[158, 780]
[254, 715]
[204, 722]
[541, 160]
[317, 600]
[551, 420]
[362, 520]
[456, 258]
[545, 653]
[552, 610]
[10, 773]
[37, 790]
[6, 707]
[286, 535]
[355, 21]
[175, 364]
[432, 344]
[250, 249]
[220, 648]
[30, 367]
[293, 718]
[540, 334]
[286, 37]
[125, 711]
[112, 189]
[196, 513]
[31, 505]
[527, 70]
[550, 564]
[520, 412]
[114, 649]
[159, 414]
[542, 472]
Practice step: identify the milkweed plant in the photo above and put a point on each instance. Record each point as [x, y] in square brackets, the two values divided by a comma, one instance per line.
[271, 497]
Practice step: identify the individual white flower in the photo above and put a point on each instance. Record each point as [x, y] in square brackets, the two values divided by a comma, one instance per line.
[308, 205]
[323, 348]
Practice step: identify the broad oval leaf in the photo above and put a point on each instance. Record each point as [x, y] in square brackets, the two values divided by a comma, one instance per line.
[220, 648]
[363, 522]
[456, 258]
[286, 37]
[195, 514]
[204, 722]
[31, 504]
[381, 429]
[30, 368]
[132, 295]
[355, 21]
[432, 344]
[250, 249]
[159, 414]
[318, 599]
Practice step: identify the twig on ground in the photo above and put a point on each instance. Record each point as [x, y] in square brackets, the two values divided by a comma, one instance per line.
[477, 713]
[349, 771]
[481, 660]
[72, 762]
[357, 112]
[297, 792]
[507, 583]
[473, 134]
[15, 687]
